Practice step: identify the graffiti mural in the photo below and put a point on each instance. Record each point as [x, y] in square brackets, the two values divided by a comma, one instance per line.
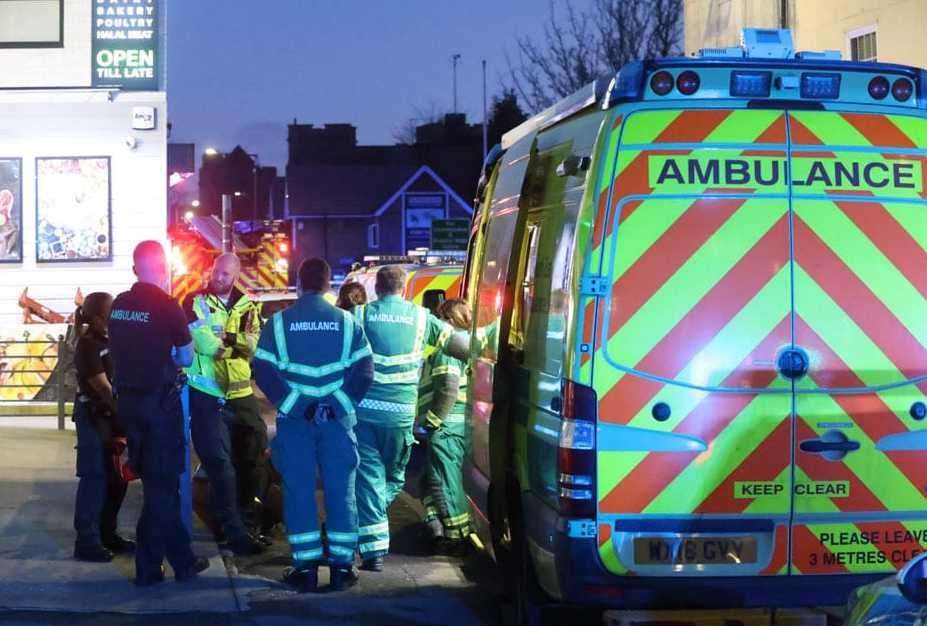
[28, 362]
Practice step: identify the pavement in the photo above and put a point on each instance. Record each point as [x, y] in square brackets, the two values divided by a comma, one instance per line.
[41, 584]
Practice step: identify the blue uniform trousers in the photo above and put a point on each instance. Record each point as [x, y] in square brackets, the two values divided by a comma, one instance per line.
[154, 425]
[300, 448]
[210, 432]
[384, 452]
[100, 491]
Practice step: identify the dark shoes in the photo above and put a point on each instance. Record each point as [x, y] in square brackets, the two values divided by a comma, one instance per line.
[94, 553]
[458, 548]
[119, 545]
[303, 579]
[374, 564]
[343, 577]
[200, 564]
[246, 546]
[150, 580]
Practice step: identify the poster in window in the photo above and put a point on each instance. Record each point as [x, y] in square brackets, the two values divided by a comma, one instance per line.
[73, 209]
[11, 211]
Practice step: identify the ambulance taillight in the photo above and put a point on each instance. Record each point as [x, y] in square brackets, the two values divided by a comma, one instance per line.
[577, 450]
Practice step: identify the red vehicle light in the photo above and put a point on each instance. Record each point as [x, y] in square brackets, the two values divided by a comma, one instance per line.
[688, 83]
[283, 247]
[577, 454]
[661, 83]
[902, 89]
[879, 87]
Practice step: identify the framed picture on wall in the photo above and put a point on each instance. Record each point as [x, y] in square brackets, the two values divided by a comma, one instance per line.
[73, 209]
[11, 210]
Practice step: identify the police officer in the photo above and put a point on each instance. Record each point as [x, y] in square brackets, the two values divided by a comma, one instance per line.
[149, 341]
[442, 410]
[101, 490]
[398, 331]
[314, 363]
[225, 422]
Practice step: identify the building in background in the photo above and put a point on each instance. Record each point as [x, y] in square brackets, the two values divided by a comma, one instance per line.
[240, 175]
[347, 201]
[862, 30]
[83, 155]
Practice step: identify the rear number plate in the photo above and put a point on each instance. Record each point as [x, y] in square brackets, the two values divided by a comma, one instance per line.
[694, 551]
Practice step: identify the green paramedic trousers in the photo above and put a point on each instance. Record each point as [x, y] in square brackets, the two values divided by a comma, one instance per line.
[299, 449]
[447, 512]
[384, 453]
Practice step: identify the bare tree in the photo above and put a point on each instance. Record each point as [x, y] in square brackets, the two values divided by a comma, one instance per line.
[577, 46]
[405, 133]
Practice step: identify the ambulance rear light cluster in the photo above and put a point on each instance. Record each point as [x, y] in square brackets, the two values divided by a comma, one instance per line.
[686, 83]
[901, 89]
[577, 450]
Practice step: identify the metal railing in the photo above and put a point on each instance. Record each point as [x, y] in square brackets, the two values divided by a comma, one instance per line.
[54, 378]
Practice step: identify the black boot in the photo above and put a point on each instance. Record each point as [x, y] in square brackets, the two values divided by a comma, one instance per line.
[246, 545]
[343, 577]
[200, 564]
[302, 579]
[119, 545]
[93, 553]
[374, 564]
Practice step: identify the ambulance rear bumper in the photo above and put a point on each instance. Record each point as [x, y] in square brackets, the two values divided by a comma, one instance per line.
[572, 569]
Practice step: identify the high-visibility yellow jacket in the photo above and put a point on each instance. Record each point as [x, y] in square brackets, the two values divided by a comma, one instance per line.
[224, 340]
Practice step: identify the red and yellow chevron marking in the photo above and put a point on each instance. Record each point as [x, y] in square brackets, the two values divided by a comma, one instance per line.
[264, 273]
[702, 294]
[445, 278]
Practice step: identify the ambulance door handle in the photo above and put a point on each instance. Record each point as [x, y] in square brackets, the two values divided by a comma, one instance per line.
[817, 446]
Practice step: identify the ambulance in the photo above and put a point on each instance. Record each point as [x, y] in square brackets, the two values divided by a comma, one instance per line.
[699, 354]
[431, 278]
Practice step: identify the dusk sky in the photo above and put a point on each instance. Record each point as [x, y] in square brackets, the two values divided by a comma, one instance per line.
[240, 71]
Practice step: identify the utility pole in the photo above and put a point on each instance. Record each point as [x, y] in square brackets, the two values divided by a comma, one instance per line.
[485, 116]
[454, 61]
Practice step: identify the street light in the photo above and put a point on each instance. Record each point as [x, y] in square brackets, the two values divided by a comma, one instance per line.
[210, 152]
[255, 170]
[196, 204]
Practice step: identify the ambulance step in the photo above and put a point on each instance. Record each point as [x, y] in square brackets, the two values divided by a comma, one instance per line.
[741, 617]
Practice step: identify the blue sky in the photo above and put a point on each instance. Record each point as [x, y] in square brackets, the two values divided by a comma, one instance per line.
[240, 70]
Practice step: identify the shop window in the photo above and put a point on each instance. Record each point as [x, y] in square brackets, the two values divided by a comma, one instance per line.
[31, 23]
[863, 44]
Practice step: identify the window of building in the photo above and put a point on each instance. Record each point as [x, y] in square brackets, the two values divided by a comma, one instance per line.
[31, 23]
[863, 45]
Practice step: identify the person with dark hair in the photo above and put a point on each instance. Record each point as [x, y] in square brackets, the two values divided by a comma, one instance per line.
[351, 295]
[314, 364]
[398, 331]
[149, 343]
[100, 489]
[441, 411]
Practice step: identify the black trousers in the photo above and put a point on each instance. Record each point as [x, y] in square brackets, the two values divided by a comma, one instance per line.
[154, 425]
[100, 491]
[248, 433]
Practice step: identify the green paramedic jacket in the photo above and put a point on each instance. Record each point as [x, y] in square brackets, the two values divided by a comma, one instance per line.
[398, 331]
[313, 353]
[442, 391]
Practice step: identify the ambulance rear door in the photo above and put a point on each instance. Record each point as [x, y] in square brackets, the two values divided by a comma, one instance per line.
[860, 362]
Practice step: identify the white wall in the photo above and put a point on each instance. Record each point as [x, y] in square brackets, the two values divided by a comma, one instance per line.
[53, 67]
[84, 123]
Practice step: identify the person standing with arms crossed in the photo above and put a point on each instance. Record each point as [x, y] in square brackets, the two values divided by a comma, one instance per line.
[398, 331]
[225, 421]
[149, 343]
[314, 363]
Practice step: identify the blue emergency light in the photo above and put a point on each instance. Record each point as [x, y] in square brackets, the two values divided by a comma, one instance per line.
[820, 86]
[750, 84]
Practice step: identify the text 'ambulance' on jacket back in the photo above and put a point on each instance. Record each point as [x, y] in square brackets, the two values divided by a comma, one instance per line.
[313, 353]
[145, 325]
